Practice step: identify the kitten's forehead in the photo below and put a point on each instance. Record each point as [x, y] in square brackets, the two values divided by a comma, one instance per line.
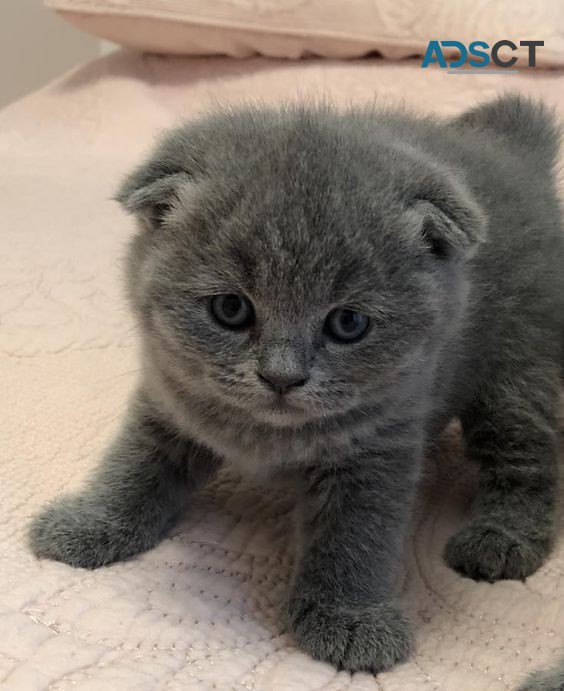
[296, 263]
[293, 210]
[305, 242]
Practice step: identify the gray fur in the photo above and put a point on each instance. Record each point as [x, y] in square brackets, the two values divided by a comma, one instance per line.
[447, 234]
[548, 680]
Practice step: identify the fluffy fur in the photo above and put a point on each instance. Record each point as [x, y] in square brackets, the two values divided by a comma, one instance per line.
[448, 236]
[549, 680]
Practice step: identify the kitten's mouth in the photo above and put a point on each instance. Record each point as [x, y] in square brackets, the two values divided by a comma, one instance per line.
[281, 411]
[284, 410]
[282, 403]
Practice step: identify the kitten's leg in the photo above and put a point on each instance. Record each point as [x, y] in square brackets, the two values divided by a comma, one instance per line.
[131, 500]
[341, 609]
[511, 430]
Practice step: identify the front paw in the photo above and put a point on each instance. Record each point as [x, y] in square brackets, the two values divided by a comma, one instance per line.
[73, 531]
[370, 638]
[486, 551]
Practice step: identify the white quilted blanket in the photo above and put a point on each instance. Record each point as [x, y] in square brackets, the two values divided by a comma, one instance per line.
[201, 610]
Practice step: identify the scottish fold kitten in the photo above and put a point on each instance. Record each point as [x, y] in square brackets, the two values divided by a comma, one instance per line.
[318, 294]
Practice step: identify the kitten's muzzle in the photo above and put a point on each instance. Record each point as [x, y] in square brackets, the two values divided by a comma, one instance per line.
[280, 383]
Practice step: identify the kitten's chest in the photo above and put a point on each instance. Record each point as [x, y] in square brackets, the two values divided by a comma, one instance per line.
[259, 452]
[262, 451]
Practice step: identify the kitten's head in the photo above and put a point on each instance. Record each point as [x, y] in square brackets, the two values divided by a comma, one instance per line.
[294, 264]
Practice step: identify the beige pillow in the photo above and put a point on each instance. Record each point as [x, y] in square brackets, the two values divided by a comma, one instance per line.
[329, 28]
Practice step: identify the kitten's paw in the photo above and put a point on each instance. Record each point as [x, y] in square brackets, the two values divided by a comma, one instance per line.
[72, 531]
[485, 551]
[372, 639]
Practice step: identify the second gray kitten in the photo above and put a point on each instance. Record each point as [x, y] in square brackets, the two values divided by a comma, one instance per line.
[319, 294]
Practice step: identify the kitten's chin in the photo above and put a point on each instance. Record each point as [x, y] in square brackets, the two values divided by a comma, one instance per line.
[278, 416]
[286, 413]
[279, 412]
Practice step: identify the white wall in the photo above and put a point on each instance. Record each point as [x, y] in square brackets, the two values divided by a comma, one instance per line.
[36, 46]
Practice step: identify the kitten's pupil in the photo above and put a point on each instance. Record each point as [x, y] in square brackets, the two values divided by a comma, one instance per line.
[232, 311]
[346, 325]
[349, 321]
[231, 306]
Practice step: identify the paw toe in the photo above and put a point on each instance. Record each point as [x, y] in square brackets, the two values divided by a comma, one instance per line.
[64, 532]
[371, 639]
[483, 551]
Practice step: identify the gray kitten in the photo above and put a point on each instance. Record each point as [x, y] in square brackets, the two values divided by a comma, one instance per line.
[318, 294]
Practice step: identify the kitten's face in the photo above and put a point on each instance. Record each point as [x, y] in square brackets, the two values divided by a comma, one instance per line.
[283, 287]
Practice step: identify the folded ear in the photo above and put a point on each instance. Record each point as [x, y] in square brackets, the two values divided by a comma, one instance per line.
[150, 192]
[447, 220]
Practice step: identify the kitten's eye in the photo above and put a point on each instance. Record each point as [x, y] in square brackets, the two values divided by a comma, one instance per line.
[346, 325]
[232, 311]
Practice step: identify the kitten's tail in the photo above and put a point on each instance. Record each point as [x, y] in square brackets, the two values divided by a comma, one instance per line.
[526, 125]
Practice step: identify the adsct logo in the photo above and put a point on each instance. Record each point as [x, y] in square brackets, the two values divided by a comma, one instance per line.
[481, 50]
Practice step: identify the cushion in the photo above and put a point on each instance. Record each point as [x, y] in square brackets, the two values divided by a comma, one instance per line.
[328, 28]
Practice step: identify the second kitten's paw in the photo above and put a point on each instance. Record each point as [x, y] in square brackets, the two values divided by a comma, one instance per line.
[485, 551]
[72, 531]
[372, 638]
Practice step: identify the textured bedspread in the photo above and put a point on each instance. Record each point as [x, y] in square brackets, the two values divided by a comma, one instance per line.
[201, 610]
